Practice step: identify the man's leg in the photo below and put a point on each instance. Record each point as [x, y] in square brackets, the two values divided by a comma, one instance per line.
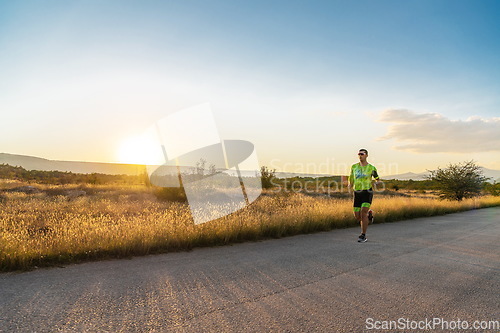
[357, 214]
[357, 206]
[364, 218]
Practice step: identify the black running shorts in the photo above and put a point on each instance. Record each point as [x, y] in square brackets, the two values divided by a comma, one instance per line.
[363, 199]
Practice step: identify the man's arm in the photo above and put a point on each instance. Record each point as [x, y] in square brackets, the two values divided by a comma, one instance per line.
[375, 175]
[350, 181]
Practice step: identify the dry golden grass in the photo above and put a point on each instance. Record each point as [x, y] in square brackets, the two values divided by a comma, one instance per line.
[50, 228]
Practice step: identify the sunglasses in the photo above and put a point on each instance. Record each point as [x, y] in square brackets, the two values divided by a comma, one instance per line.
[361, 154]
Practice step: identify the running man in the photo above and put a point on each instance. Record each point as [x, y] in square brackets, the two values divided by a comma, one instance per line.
[360, 180]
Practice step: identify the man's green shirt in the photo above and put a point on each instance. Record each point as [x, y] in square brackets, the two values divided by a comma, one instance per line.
[361, 176]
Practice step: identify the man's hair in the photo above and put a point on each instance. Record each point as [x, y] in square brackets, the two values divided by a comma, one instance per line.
[366, 151]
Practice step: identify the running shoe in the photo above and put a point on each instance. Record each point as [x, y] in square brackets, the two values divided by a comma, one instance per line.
[362, 238]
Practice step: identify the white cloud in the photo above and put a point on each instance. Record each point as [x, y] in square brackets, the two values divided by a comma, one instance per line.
[434, 133]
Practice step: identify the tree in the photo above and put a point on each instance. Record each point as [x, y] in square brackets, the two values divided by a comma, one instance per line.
[458, 181]
[267, 176]
[200, 167]
[493, 189]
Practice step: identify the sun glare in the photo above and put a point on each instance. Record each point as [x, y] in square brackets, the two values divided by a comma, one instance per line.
[142, 149]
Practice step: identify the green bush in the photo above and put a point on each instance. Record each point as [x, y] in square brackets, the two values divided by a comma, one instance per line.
[170, 194]
[493, 189]
[267, 177]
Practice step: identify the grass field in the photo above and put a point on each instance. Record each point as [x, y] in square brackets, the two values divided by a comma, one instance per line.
[53, 228]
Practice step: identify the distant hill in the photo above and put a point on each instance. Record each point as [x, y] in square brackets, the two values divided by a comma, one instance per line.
[493, 175]
[280, 174]
[43, 164]
[407, 176]
[37, 163]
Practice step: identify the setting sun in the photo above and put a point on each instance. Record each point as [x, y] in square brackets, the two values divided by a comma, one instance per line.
[143, 149]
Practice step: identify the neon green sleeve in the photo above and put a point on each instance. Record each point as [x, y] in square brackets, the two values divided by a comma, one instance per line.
[351, 177]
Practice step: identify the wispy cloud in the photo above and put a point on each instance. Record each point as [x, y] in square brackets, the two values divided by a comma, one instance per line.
[434, 133]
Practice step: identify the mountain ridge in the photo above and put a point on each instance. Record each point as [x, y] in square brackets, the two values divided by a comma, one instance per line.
[43, 164]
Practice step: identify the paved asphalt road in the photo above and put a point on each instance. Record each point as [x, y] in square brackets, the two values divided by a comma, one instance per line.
[441, 267]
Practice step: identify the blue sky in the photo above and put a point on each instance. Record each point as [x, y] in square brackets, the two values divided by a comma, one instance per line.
[308, 82]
